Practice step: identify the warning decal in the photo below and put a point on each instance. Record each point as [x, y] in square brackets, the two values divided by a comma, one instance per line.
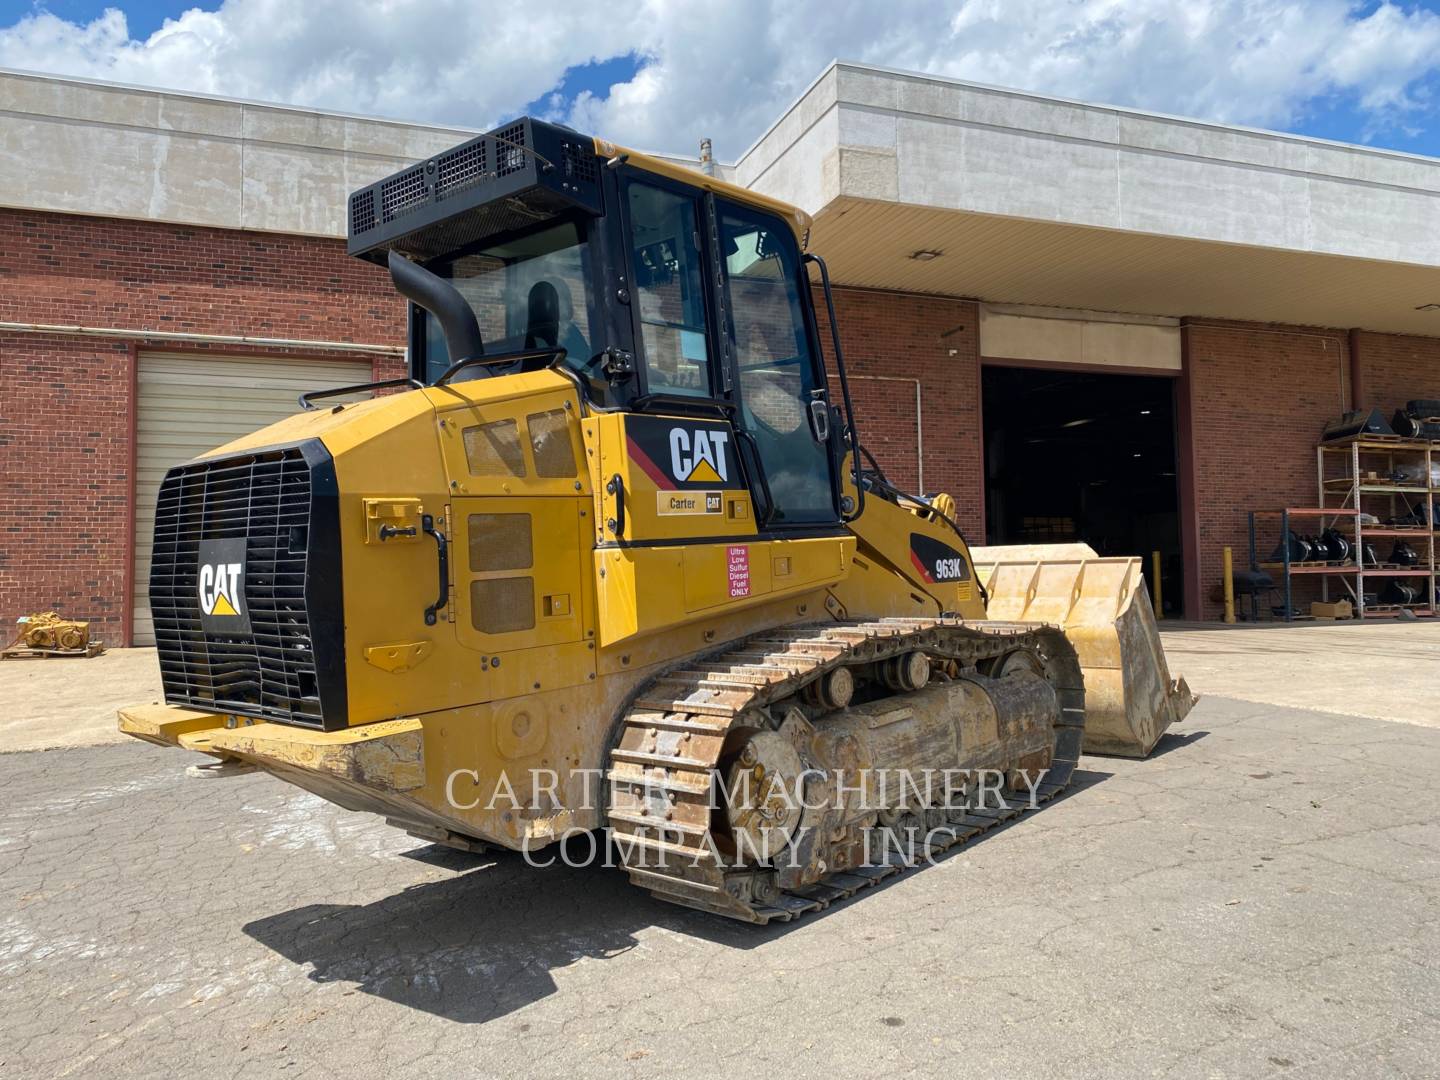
[738, 561]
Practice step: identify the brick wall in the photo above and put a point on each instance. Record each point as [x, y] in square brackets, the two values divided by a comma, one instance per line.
[65, 401]
[901, 336]
[1260, 396]
[1395, 369]
[64, 467]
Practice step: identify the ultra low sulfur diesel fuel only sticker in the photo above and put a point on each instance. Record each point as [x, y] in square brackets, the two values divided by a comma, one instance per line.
[737, 558]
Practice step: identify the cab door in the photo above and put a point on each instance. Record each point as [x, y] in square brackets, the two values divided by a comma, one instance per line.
[780, 392]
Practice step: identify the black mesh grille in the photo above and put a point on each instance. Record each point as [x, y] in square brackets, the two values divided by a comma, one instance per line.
[460, 170]
[509, 154]
[264, 498]
[580, 163]
[535, 169]
[362, 211]
[401, 193]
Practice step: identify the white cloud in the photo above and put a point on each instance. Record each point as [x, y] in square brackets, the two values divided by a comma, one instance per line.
[726, 68]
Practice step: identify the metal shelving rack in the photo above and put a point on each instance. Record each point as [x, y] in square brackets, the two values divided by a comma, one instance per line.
[1355, 475]
[1329, 518]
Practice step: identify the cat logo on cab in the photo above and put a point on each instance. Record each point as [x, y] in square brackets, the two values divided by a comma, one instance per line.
[683, 455]
[697, 455]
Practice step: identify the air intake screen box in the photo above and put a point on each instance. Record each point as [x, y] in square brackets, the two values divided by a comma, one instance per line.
[524, 172]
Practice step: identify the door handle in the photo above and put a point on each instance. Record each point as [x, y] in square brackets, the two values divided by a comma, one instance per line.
[819, 416]
[616, 487]
[427, 525]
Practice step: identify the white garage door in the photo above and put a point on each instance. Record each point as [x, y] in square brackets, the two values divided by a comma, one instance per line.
[191, 404]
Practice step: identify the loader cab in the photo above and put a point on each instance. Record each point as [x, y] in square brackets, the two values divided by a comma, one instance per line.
[668, 296]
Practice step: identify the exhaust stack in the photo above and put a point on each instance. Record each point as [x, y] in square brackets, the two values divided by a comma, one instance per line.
[443, 300]
[707, 159]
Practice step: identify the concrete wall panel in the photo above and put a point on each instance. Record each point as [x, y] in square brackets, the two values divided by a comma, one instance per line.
[1053, 339]
[92, 148]
[1029, 156]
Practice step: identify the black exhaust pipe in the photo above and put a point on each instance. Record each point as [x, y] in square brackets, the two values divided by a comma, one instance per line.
[443, 300]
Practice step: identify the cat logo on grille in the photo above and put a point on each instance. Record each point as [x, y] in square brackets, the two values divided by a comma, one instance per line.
[220, 585]
[218, 601]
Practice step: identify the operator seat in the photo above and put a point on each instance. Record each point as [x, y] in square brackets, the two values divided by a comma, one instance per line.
[550, 322]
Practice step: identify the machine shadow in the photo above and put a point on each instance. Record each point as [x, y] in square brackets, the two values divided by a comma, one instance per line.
[477, 946]
[1172, 741]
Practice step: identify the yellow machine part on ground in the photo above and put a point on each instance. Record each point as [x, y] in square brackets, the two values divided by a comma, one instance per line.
[1104, 608]
[50, 630]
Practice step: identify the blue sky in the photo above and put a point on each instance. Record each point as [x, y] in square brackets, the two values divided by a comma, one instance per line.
[660, 73]
[595, 78]
[144, 16]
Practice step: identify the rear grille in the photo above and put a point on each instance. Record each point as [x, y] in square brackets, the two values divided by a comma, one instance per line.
[280, 502]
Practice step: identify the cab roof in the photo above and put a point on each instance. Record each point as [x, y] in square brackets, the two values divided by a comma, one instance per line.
[799, 221]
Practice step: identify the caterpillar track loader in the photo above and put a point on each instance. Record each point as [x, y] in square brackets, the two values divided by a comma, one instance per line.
[616, 530]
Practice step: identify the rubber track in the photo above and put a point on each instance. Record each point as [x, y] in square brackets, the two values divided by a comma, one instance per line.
[672, 736]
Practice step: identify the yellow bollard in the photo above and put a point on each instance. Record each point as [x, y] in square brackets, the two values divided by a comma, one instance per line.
[1229, 586]
[1155, 576]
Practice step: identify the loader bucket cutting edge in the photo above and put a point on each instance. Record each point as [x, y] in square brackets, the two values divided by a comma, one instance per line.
[1104, 608]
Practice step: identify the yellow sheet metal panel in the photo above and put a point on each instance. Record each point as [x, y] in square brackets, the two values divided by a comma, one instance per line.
[398, 450]
[646, 590]
[663, 478]
[517, 571]
[920, 562]
[190, 403]
[511, 435]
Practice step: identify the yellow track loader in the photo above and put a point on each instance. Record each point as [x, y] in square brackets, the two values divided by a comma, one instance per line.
[609, 557]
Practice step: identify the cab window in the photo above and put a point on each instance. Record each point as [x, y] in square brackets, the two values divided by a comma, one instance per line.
[669, 293]
[528, 292]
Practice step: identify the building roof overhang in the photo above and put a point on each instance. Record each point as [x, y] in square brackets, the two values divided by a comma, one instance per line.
[1036, 200]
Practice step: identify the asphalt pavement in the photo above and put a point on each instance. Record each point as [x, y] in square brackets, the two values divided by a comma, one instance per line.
[1257, 899]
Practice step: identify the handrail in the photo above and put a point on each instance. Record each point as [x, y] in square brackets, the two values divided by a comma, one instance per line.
[810, 257]
[339, 391]
[682, 401]
[551, 355]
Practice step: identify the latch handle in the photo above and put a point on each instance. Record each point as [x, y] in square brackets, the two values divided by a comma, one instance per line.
[819, 416]
[427, 524]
